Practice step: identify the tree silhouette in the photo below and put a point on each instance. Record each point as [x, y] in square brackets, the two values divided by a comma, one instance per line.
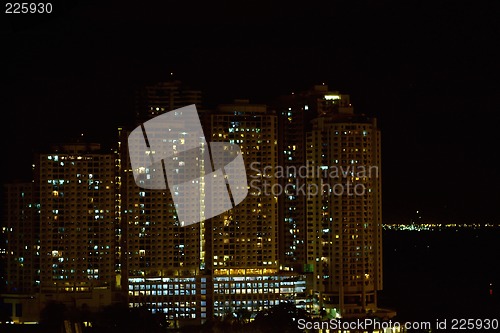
[120, 318]
[280, 318]
[4, 310]
[53, 315]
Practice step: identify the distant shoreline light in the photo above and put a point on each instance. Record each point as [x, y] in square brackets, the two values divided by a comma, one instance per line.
[437, 227]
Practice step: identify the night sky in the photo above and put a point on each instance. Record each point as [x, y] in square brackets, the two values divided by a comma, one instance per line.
[428, 70]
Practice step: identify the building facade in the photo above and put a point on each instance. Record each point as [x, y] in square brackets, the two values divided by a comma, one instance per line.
[243, 242]
[21, 229]
[295, 114]
[292, 125]
[162, 257]
[155, 99]
[344, 221]
[77, 218]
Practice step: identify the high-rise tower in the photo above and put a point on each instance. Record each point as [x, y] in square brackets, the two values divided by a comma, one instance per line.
[77, 218]
[295, 113]
[292, 124]
[162, 260]
[22, 238]
[158, 98]
[344, 221]
[249, 231]
[242, 243]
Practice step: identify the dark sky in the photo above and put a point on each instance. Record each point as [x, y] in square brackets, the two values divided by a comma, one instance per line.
[428, 70]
